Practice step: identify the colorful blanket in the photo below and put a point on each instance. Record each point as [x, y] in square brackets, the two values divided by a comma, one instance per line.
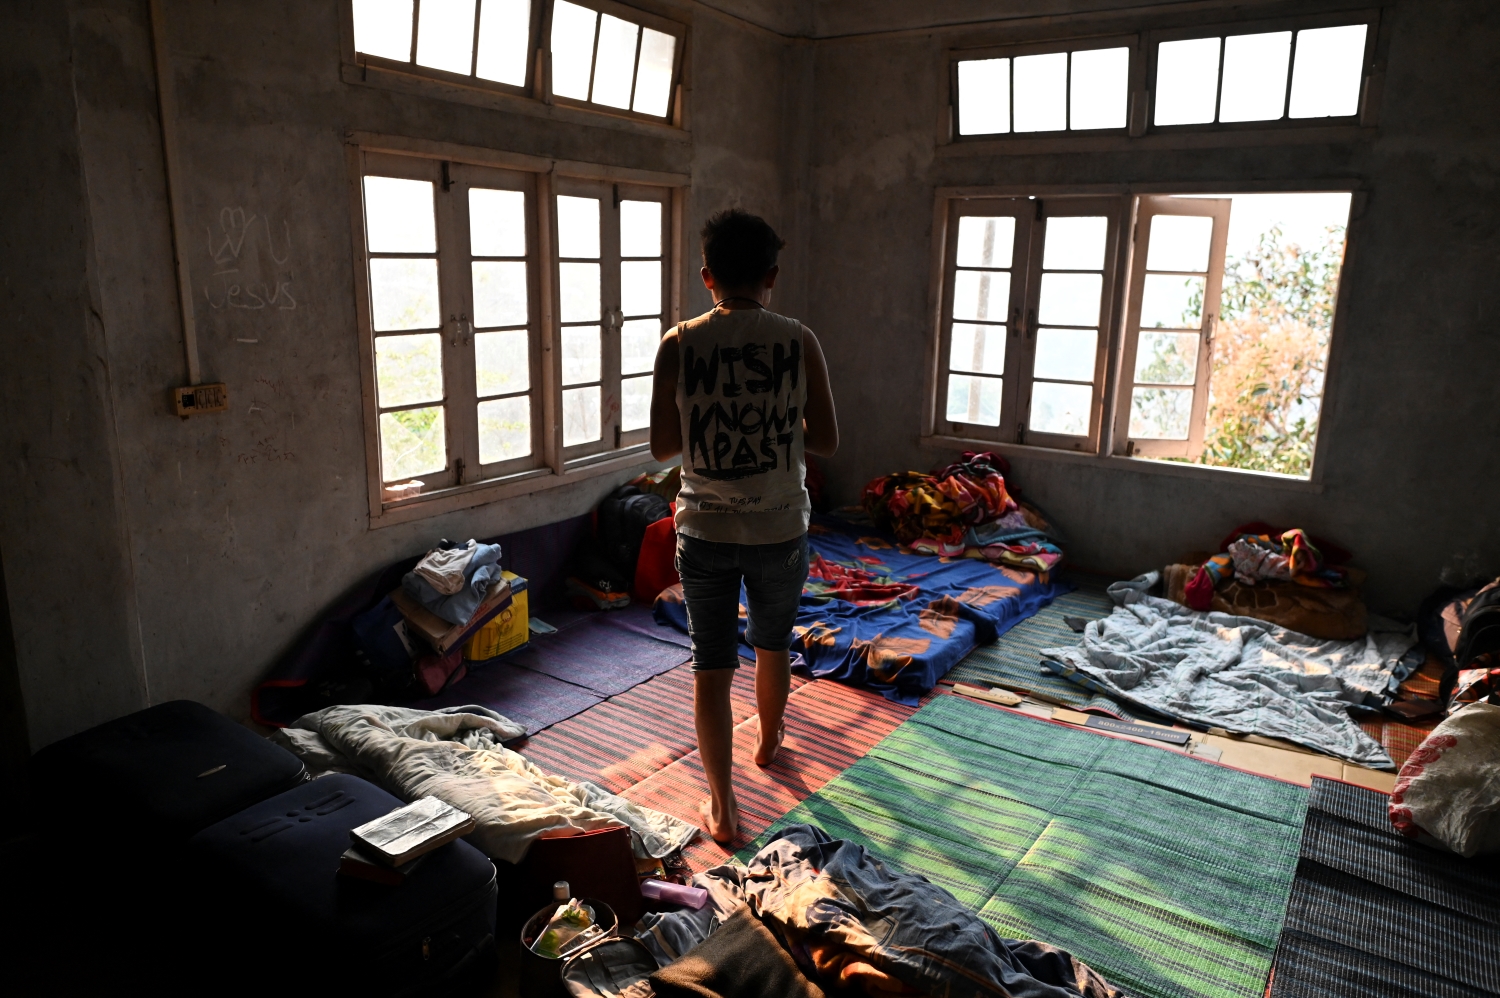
[874, 616]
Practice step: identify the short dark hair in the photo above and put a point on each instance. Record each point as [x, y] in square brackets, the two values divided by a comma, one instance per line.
[739, 248]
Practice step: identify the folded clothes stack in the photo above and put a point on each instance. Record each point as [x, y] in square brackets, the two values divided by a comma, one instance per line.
[453, 579]
[964, 510]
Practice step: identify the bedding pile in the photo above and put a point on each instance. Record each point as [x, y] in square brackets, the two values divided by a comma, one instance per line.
[852, 922]
[962, 511]
[456, 755]
[1238, 673]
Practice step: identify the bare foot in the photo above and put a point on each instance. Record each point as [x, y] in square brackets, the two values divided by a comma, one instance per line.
[723, 827]
[766, 754]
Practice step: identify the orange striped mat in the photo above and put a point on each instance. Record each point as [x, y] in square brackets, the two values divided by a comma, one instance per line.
[828, 727]
[627, 738]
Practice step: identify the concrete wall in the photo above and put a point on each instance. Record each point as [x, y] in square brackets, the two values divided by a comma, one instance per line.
[1410, 464]
[151, 557]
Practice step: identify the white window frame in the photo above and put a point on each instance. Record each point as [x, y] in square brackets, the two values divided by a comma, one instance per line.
[1111, 444]
[535, 97]
[1013, 52]
[612, 435]
[638, 17]
[1150, 207]
[1140, 129]
[1021, 325]
[550, 464]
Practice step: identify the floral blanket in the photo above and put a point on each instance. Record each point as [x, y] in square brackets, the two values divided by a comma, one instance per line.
[877, 617]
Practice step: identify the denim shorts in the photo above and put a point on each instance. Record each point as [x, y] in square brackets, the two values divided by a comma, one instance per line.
[712, 572]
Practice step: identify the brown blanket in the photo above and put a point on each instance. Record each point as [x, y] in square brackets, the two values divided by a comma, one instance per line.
[741, 960]
[1330, 614]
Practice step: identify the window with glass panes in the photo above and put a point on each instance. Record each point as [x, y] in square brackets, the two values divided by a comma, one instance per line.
[598, 53]
[1026, 315]
[1300, 70]
[1169, 323]
[612, 282]
[486, 40]
[450, 274]
[614, 56]
[461, 341]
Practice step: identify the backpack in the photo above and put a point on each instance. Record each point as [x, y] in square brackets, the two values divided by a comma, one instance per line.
[624, 516]
[1479, 627]
[616, 968]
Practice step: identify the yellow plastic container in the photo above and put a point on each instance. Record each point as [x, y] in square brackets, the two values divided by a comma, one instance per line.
[507, 630]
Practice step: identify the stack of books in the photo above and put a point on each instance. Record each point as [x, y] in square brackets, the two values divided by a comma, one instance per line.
[390, 848]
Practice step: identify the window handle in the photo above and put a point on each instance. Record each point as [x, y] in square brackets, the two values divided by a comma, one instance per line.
[1031, 323]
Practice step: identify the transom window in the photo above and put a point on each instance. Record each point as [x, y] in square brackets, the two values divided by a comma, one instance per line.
[594, 53]
[1074, 90]
[512, 322]
[607, 56]
[1293, 71]
[483, 39]
[1215, 355]
[1264, 76]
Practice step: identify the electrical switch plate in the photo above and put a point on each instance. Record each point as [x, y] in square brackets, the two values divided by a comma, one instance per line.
[193, 399]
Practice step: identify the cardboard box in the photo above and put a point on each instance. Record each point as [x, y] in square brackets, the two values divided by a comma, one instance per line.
[508, 630]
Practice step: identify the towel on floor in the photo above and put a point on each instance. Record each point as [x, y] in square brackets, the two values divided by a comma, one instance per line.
[741, 960]
[456, 755]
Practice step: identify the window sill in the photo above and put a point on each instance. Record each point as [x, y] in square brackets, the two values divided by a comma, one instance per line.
[383, 78]
[522, 483]
[1117, 142]
[1235, 477]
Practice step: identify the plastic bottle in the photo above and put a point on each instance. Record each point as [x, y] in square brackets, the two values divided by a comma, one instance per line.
[662, 890]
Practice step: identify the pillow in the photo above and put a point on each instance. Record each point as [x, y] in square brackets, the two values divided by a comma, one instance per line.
[1450, 787]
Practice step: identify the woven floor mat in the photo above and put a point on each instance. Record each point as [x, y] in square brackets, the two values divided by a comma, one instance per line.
[1014, 660]
[828, 727]
[1169, 875]
[1372, 912]
[1398, 738]
[625, 739]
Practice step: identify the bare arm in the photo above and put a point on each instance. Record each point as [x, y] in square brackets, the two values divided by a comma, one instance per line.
[821, 424]
[666, 422]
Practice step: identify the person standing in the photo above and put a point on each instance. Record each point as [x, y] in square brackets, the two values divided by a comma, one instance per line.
[741, 393]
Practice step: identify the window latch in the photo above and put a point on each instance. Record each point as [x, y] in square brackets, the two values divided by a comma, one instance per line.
[1031, 323]
[618, 436]
[463, 329]
[458, 471]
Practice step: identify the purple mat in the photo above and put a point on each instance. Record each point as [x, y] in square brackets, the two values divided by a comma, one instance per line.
[531, 698]
[638, 620]
[606, 653]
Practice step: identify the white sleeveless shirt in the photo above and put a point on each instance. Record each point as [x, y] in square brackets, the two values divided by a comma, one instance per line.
[741, 390]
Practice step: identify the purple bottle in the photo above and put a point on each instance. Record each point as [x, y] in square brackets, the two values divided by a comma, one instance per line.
[661, 890]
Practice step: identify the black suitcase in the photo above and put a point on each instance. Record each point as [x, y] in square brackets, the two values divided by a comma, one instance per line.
[153, 778]
[270, 897]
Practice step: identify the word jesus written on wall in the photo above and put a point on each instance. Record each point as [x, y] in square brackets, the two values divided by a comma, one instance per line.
[743, 425]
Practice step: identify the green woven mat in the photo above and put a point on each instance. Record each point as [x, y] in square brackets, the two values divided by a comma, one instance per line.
[1014, 660]
[1168, 875]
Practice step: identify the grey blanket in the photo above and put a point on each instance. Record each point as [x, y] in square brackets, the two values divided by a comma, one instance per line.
[456, 755]
[1237, 673]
